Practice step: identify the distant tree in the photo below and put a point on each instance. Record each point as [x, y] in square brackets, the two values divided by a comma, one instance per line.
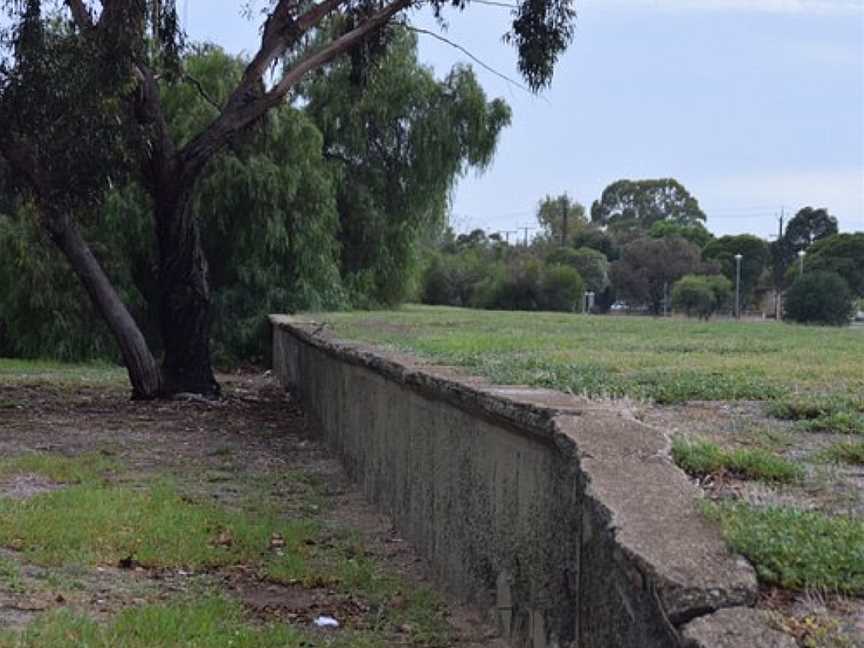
[561, 218]
[819, 298]
[843, 254]
[808, 226]
[628, 204]
[696, 233]
[701, 295]
[595, 238]
[591, 265]
[649, 267]
[755, 259]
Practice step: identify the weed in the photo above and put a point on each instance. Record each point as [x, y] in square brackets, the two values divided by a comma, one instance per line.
[796, 549]
[845, 452]
[704, 458]
[838, 422]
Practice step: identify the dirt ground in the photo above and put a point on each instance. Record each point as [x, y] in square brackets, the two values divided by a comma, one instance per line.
[222, 452]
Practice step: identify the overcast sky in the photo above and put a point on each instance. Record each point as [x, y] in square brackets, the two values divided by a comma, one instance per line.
[754, 105]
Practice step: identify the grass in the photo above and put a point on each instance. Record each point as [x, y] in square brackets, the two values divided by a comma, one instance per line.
[94, 523]
[156, 527]
[74, 470]
[845, 452]
[57, 373]
[704, 458]
[212, 622]
[796, 549]
[666, 360]
[843, 414]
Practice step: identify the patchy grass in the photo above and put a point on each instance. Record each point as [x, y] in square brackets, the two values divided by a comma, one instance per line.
[156, 527]
[704, 458]
[845, 452]
[834, 413]
[838, 422]
[666, 360]
[10, 575]
[55, 373]
[73, 470]
[796, 549]
[212, 622]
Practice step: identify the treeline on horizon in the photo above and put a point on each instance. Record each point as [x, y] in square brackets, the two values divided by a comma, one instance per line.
[644, 244]
[339, 198]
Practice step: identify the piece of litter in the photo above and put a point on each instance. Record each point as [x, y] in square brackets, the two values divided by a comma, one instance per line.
[326, 622]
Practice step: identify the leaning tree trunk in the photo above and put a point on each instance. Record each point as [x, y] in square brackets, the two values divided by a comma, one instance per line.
[143, 370]
[184, 298]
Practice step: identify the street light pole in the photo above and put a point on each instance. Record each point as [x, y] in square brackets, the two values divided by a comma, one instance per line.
[801, 255]
[738, 258]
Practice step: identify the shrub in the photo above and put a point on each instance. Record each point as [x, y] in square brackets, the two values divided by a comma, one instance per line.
[819, 298]
[699, 295]
[562, 288]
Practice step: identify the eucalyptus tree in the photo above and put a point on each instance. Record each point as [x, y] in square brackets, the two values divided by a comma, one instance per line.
[639, 204]
[81, 106]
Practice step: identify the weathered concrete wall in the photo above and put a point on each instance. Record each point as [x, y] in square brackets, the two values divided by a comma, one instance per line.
[563, 517]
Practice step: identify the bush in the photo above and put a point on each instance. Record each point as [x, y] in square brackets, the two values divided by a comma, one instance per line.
[562, 288]
[699, 295]
[819, 298]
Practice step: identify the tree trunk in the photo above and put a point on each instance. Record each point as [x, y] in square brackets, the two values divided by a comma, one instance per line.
[143, 371]
[184, 298]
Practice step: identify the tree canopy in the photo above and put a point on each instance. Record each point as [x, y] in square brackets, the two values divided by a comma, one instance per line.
[628, 204]
[81, 101]
[561, 218]
[754, 259]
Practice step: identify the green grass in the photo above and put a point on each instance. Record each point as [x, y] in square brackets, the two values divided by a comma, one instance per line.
[705, 458]
[796, 549]
[51, 371]
[157, 527]
[845, 452]
[838, 422]
[74, 470]
[843, 414]
[667, 360]
[212, 622]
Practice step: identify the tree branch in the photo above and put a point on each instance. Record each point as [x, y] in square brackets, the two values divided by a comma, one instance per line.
[201, 91]
[469, 55]
[244, 107]
[80, 14]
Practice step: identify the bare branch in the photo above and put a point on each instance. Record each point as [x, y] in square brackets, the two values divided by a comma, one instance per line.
[334, 49]
[469, 55]
[280, 31]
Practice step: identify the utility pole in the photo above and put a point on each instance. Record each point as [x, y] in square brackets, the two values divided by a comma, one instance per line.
[778, 310]
[564, 215]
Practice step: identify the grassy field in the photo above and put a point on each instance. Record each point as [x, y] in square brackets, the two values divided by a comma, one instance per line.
[666, 360]
[780, 477]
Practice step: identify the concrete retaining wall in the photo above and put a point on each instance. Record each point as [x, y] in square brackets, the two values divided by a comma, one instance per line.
[562, 517]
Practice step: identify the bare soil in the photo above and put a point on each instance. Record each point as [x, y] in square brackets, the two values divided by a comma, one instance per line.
[222, 451]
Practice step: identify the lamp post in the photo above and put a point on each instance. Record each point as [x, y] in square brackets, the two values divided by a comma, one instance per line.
[738, 258]
[801, 255]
